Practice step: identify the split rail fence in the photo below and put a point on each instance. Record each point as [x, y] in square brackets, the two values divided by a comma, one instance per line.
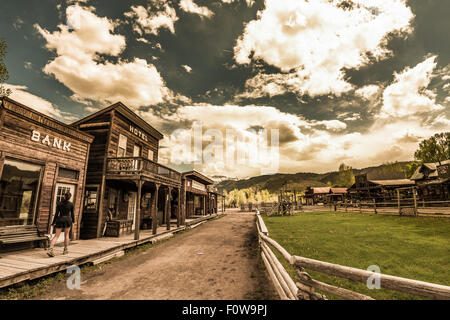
[400, 207]
[303, 287]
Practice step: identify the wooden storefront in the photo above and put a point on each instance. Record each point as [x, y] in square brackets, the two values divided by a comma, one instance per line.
[126, 189]
[195, 190]
[212, 204]
[40, 160]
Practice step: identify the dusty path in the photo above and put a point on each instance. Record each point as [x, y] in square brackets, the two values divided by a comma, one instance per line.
[217, 260]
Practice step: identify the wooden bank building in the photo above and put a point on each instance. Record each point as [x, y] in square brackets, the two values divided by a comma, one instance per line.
[108, 161]
[41, 159]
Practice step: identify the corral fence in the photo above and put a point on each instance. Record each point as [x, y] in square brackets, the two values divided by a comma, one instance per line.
[304, 287]
[409, 207]
[268, 207]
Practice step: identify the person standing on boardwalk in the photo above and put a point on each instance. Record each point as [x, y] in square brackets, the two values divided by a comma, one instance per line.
[64, 219]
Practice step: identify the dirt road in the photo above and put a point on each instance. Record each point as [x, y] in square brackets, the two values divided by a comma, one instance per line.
[217, 260]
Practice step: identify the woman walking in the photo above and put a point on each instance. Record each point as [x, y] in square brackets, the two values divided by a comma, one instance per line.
[64, 218]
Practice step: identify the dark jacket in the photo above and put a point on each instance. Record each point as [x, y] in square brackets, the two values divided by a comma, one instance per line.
[64, 208]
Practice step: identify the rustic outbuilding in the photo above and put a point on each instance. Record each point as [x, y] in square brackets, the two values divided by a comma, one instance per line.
[365, 189]
[433, 181]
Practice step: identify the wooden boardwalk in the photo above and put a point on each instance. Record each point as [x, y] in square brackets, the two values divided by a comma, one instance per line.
[31, 264]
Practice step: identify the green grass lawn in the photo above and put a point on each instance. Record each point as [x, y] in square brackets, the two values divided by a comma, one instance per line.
[410, 247]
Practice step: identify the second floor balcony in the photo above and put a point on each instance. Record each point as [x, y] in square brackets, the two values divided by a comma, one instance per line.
[138, 166]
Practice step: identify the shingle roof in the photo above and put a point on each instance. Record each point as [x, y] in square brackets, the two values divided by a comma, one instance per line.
[432, 166]
[396, 182]
[339, 190]
[321, 190]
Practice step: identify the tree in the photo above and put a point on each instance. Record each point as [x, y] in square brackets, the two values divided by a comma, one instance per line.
[4, 75]
[346, 177]
[434, 149]
[410, 168]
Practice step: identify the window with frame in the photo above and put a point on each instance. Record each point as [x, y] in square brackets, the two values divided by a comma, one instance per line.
[19, 186]
[122, 147]
[151, 154]
[90, 198]
[68, 174]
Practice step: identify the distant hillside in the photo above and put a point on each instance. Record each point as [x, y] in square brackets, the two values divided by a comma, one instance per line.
[299, 181]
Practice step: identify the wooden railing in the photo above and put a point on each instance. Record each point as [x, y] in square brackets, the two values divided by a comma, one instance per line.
[137, 165]
[402, 207]
[304, 287]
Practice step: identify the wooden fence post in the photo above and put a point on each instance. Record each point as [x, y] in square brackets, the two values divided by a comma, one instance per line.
[375, 206]
[415, 201]
[398, 202]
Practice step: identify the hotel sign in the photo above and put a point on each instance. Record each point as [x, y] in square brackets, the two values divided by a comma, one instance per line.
[198, 186]
[53, 142]
[139, 133]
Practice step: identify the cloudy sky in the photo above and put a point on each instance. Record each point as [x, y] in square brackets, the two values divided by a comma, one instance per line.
[358, 81]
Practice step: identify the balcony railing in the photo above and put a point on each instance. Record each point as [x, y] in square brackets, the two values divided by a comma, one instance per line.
[138, 166]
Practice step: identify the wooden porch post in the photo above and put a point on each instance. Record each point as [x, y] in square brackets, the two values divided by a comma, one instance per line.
[137, 222]
[204, 205]
[167, 207]
[415, 201]
[155, 212]
[183, 202]
[179, 208]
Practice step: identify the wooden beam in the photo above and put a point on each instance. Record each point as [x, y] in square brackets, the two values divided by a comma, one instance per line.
[93, 125]
[306, 280]
[137, 220]
[102, 193]
[155, 212]
[415, 287]
[179, 209]
[168, 207]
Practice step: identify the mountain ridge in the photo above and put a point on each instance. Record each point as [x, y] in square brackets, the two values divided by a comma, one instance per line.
[300, 180]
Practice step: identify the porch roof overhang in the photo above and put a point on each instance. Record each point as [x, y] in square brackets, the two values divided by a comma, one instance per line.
[197, 176]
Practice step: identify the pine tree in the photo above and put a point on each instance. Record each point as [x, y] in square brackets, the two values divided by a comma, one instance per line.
[4, 75]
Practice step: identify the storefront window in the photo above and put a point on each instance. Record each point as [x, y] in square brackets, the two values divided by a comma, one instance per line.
[90, 198]
[69, 174]
[18, 192]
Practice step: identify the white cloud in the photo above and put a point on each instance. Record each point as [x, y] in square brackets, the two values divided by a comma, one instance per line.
[150, 22]
[249, 2]
[191, 7]
[311, 42]
[367, 92]
[408, 94]
[80, 68]
[334, 125]
[20, 94]
[349, 116]
[305, 145]
[187, 68]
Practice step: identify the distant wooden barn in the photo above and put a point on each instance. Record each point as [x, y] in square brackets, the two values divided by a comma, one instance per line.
[433, 181]
[315, 195]
[379, 190]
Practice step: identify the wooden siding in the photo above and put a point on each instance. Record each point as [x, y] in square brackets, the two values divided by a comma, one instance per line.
[16, 143]
[121, 125]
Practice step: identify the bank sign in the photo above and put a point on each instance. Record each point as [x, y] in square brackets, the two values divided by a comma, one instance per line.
[52, 142]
